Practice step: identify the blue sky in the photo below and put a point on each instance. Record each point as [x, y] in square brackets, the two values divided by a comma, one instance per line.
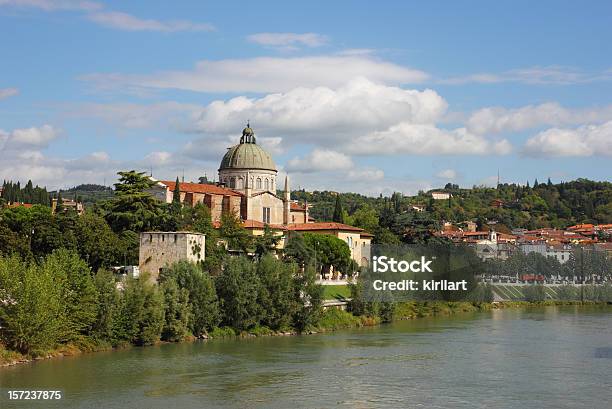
[352, 96]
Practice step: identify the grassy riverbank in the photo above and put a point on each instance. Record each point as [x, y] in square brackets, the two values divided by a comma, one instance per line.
[331, 320]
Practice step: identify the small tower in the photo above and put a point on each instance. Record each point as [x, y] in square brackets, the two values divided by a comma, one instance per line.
[287, 202]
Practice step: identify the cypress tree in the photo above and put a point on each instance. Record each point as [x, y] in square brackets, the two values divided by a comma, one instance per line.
[338, 213]
[176, 194]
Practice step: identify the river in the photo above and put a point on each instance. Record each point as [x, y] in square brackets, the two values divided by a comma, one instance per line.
[553, 357]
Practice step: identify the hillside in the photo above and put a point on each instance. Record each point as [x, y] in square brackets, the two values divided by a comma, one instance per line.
[508, 206]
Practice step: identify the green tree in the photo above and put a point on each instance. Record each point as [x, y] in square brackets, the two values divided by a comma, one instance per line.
[277, 295]
[176, 193]
[32, 309]
[310, 295]
[238, 289]
[133, 207]
[96, 242]
[177, 311]
[78, 292]
[231, 230]
[338, 213]
[108, 302]
[202, 296]
[141, 317]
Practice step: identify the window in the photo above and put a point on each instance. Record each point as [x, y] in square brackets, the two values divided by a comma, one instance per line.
[267, 184]
[258, 184]
[266, 215]
[175, 238]
[232, 182]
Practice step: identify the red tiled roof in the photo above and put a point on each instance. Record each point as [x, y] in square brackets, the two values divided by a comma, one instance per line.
[26, 205]
[323, 226]
[255, 224]
[297, 207]
[201, 188]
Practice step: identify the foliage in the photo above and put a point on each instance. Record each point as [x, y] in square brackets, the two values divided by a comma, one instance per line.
[133, 207]
[276, 295]
[177, 311]
[238, 289]
[202, 298]
[141, 316]
[32, 309]
[231, 230]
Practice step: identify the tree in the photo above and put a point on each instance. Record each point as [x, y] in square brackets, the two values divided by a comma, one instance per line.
[267, 242]
[32, 308]
[328, 252]
[338, 213]
[203, 299]
[141, 317]
[238, 289]
[310, 296]
[237, 237]
[277, 295]
[96, 242]
[78, 292]
[108, 300]
[133, 207]
[176, 193]
[177, 311]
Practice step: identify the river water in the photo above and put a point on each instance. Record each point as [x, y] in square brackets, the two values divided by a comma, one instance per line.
[553, 357]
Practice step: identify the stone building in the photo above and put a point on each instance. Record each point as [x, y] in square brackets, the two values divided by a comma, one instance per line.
[160, 249]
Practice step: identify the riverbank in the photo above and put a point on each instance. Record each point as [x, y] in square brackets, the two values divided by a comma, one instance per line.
[332, 320]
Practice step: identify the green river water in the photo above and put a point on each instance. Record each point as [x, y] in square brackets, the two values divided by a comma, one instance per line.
[553, 357]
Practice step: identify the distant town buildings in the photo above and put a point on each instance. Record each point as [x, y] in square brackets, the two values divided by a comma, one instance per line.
[549, 242]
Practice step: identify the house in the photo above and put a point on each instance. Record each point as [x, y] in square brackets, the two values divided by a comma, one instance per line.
[441, 195]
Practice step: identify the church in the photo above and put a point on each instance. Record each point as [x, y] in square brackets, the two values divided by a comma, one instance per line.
[248, 181]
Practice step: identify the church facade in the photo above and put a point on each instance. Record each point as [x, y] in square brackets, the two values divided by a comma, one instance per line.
[248, 183]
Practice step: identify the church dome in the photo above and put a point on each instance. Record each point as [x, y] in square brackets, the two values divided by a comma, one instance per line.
[247, 154]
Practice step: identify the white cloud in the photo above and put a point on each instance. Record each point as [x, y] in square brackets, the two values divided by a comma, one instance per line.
[549, 75]
[34, 137]
[323, 114]
[265, 74]
[52, 5]
[8, 92]
[586, 140]
[497, 119]
[127, 22]
[426, 139]
[320, 160]
[449, 174]
[288, 41]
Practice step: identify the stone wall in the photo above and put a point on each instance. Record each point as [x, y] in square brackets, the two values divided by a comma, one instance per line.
[160, 249]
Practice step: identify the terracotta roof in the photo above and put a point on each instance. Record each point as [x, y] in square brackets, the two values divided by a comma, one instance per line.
[323, 226]
[297, 207]
[201, 188]
[26, 205]
[366, 234]
[256, 224]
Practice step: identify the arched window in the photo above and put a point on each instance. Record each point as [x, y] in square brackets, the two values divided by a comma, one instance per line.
[258, 183]
[232, 182]
[240, 183]
[267, 184]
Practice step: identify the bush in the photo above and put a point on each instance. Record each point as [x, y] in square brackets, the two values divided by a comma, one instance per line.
[32, 307]
[177, 312]
[534, 293]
